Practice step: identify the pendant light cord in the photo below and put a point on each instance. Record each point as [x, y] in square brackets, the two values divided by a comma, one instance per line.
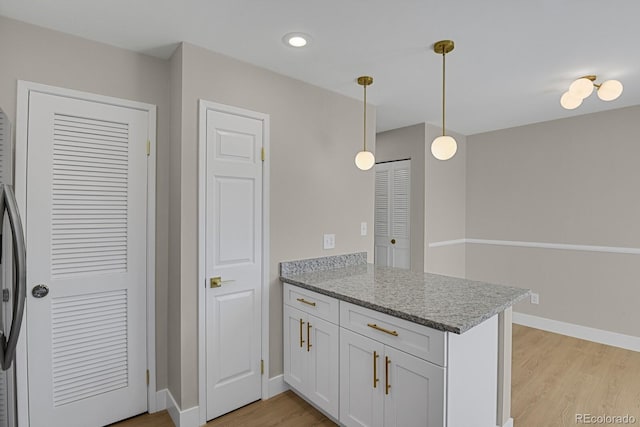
[443, 95]
[365, 118]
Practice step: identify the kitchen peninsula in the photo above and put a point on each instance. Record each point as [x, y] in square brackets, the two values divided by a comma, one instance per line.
[380, 346]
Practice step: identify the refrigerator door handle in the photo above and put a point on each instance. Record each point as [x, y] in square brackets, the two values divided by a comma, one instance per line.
[8, 201]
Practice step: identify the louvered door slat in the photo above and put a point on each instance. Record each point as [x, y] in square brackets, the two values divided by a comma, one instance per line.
[72, 219]
[91, 316]
[400, 204]
[382, 202]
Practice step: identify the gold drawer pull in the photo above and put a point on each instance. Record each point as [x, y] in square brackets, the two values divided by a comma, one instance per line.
[375, 370]
[301, 340]
[378, 328]
[304, 301]
[387, 386]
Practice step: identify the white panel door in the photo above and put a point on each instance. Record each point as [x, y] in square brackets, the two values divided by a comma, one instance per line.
[392, 214]
[233, 253]
[361, 381]
[415, 393]
[86, 242]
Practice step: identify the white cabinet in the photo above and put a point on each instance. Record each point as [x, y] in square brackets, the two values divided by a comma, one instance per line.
[311, 354]
[361, 392]
[415, 393]
[370, 369]
[383, 386]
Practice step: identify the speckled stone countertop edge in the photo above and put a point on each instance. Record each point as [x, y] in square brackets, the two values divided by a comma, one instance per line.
[322, 263]
[402, 315]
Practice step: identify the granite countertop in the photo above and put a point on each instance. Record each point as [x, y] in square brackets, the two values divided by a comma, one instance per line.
[440, 302]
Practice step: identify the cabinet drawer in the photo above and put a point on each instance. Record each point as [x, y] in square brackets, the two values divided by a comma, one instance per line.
[319, 305]
[426, 343]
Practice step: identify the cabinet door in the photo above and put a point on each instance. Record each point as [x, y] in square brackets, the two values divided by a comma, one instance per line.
[323, 374]
[361, 380]
[414, 391]
[295, 347]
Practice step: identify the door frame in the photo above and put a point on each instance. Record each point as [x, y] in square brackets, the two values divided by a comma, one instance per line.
[203, 107]
[20, 167]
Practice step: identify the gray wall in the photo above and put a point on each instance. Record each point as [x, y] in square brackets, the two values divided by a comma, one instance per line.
[49, 57]
[573, 181]
[315, 186]
[445, 206]
[408, 143]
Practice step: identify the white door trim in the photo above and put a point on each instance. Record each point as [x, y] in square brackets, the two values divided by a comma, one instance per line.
[21, 126]
[203, 107]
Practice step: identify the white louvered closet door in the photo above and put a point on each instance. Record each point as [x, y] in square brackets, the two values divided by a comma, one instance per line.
[392, 214]
[86, 241]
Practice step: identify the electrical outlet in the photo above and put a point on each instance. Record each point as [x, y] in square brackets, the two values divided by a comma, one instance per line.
[329, 241]
[363, 228]
[535, 298]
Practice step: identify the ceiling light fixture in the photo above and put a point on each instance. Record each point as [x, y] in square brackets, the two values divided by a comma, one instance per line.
[443, 147]
[296, 39]
[583, 87]
[365, 159]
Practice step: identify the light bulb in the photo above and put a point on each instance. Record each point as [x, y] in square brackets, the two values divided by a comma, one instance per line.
[610, 90]
[365, 160]
[296, 39]
[444, 147]
[581, 88]
[570, 101]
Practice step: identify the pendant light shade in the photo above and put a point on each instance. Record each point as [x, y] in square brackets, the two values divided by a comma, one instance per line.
[365, 159]
[610, 90]
[443, 147]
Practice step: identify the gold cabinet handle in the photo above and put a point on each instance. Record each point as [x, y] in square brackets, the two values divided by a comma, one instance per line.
[304, 301]
[375, 369]
[378, 328]
[301, 340]
[309, 336]
[387, 386]
[393, 241]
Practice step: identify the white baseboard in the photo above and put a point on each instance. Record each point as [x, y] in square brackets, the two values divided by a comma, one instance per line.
[509, 423]
[182, 418]
[614, 339]
[277, 386]
[161, 400]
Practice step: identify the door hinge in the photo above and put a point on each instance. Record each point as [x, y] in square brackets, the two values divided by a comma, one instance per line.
[148, 147]
[147, 377]
[263, 154]
[261, 367]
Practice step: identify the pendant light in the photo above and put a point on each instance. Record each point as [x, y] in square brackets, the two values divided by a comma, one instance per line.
[443, 147]
[365, 159]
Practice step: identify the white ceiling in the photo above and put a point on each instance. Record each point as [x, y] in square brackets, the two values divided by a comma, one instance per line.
[512, 61]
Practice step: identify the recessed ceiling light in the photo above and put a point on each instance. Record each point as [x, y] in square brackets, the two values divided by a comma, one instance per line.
[296, 39]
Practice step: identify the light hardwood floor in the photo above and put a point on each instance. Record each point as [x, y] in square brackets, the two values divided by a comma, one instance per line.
[554, 378]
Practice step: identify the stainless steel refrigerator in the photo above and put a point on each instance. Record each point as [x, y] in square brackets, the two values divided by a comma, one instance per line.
[12, 277]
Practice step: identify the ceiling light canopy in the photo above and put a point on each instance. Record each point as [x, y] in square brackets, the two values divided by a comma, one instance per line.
[583, 87]
[296, 39]
[443, 147]
[365, 159]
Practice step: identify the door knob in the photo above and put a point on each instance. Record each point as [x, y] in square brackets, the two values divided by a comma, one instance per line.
[216, 282]
[40, 291]
[393, 241]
